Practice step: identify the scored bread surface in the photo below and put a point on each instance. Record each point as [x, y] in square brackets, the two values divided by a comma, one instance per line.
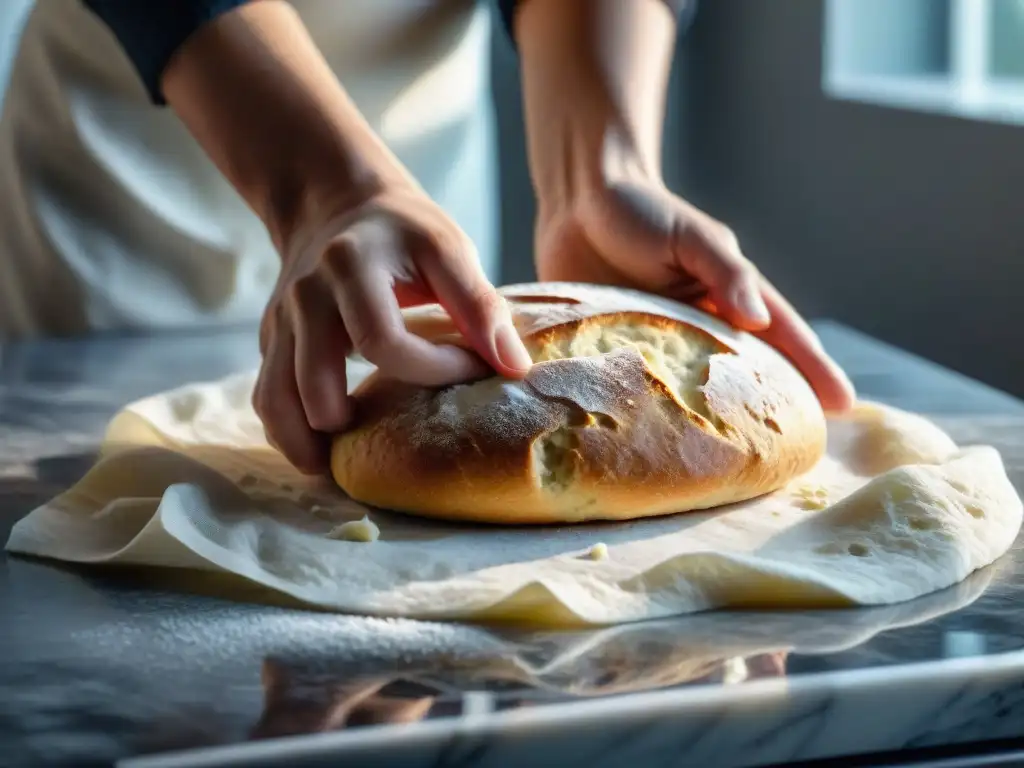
[636, 406]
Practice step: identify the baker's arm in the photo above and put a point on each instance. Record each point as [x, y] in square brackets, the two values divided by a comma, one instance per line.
[358, 236]
[249, 82]
[595, 74]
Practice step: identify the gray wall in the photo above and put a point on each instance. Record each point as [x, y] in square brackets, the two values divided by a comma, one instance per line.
[905, 225]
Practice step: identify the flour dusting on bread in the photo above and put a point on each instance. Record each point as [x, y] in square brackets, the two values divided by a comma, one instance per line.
[635, 406]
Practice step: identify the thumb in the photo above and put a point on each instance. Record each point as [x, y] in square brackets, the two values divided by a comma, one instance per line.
[479, 312]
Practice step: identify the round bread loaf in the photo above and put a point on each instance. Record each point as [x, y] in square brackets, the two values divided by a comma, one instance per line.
[636, 406]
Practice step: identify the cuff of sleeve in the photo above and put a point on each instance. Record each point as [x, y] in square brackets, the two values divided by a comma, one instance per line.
[151, 32]
[683, 9]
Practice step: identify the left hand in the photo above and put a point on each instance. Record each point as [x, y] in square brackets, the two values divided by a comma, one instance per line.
[636, 233]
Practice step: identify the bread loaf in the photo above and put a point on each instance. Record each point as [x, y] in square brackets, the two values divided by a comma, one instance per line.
[636, 406]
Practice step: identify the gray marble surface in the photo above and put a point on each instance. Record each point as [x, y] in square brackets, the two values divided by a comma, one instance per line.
[100, 665]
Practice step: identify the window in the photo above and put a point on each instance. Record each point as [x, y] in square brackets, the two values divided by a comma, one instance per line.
[12, 18]
[962, 57]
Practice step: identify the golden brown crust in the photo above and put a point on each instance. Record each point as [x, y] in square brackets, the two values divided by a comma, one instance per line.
[636, 407]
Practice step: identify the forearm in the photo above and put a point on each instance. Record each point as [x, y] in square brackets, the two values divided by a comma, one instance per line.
[595, 74]
[260, 99]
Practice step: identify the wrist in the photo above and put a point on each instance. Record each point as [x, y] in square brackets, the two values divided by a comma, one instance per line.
[299, 202]
[257, 95]
[581, 167]
[594, 80]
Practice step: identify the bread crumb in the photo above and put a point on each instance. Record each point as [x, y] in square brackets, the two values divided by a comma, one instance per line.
[812, 497]
[813, 505]
[364, 530]
[597, 552]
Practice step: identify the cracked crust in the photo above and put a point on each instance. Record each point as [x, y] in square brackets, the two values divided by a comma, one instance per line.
[636, 406]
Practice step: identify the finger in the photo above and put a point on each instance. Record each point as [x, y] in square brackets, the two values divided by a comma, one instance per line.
[711, 253]
[479, 312]
[321, 348]
[365, 295]
[346, 699]
[794, 338]
[279, 405]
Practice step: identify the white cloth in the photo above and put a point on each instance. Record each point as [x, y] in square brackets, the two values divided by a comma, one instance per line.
[896, 510]
[113, 217]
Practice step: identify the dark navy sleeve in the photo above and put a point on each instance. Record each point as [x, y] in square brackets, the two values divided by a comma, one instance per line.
[150, 31]
[684, 10]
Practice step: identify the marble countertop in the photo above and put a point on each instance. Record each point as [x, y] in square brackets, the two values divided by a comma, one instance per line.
[98, 666]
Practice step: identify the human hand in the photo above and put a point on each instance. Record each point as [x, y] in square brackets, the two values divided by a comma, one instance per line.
[340, 291]
[636, 233]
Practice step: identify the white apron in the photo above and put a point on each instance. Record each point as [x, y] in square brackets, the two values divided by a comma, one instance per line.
[112, 217]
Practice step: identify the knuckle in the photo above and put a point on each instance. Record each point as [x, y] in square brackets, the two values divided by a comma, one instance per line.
[323, 419]
[442, 244]
[726, 237]
[319, 420]
[258, 400]
[375, 341]
[267, 324]
[724, 243]
[276, 314]
[304, 291]
[265, 405]
[339, 260]
[489, 304]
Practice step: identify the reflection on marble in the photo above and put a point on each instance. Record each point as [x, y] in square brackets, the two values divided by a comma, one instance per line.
[97, 666]
[303, 694]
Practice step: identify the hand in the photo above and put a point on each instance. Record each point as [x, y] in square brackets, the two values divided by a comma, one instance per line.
[341, 290]
[636, 233]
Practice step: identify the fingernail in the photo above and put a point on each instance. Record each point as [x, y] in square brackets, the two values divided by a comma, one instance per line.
[748, 300]
[510, 348]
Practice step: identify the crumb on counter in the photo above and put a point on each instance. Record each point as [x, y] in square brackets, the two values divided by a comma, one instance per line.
[812, 497]
[597, 552]
[734, 670]
[813, 505]
[364, 530]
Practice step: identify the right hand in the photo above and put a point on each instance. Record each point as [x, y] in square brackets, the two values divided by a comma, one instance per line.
[340, 291]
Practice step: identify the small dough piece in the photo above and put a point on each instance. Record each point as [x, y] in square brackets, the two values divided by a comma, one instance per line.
[885, 438]
[636, 406]
[734, 670]
[363, 530]
[812, 497]
[598, 552]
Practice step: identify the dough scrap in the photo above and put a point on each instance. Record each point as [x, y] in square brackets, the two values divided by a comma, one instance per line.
[363, 530]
